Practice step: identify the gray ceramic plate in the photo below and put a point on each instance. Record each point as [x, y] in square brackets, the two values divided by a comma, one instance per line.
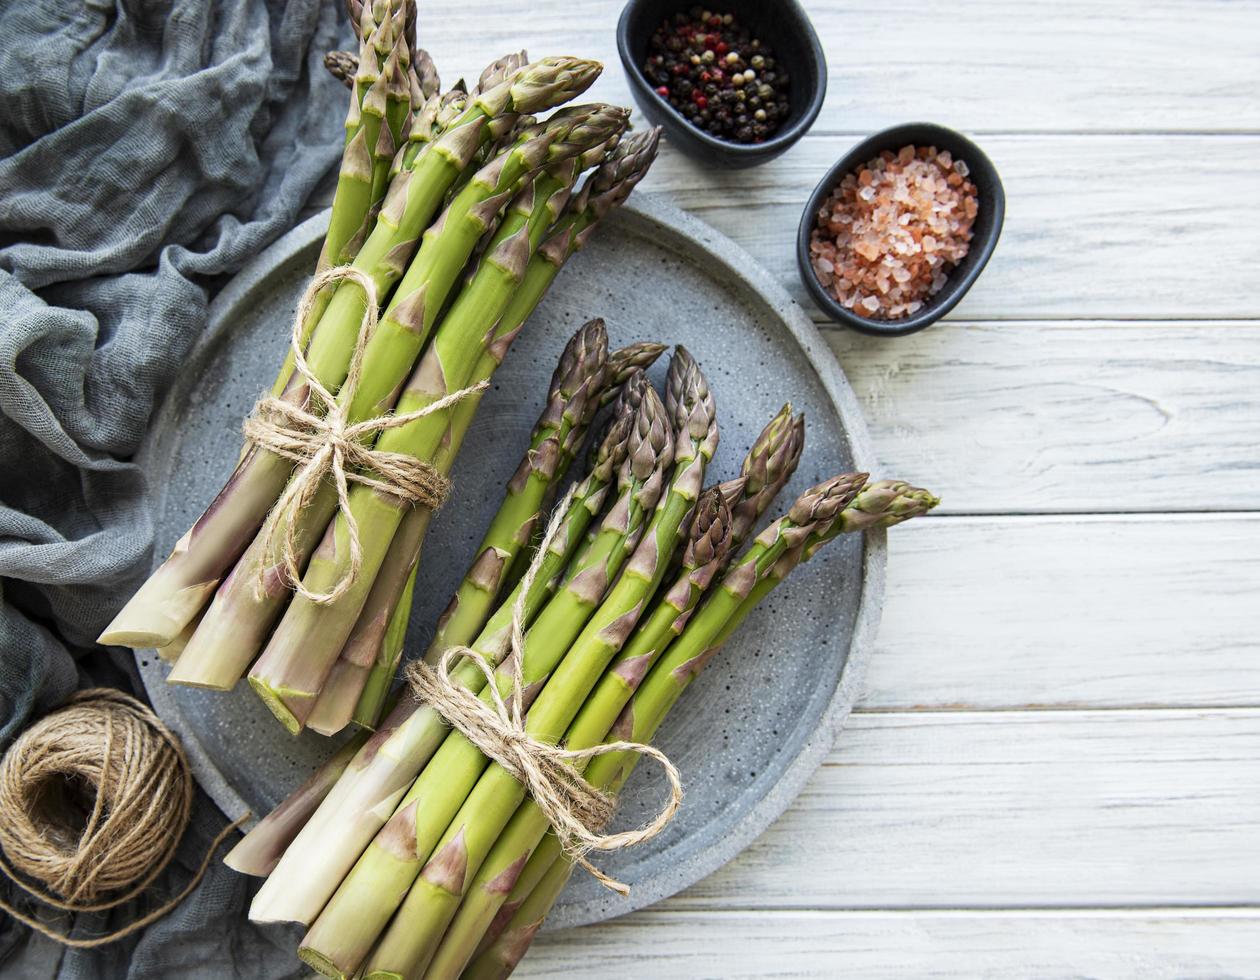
[760, 719]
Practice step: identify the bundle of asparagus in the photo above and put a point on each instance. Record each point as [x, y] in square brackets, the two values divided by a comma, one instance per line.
[454, 212]
[412, 854]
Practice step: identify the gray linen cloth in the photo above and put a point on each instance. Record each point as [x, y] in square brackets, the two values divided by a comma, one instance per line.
[147, 149]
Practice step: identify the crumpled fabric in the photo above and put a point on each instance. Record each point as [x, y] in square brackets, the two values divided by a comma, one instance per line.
[148, 148]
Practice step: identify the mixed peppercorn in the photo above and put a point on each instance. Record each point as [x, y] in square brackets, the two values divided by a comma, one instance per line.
[719, 77]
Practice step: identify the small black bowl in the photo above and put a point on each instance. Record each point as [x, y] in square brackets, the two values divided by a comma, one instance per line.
[781, 24]
[985, 231]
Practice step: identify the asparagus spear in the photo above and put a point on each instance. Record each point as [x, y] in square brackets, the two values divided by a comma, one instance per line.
[179, 589]
[777, 551]
[575, 384]
[412, 936]
[304, 647]
[258, 852]
[363, 903]
[379, 110]
[328, 846]
[623, 364]
[575, 390]
[768, 466]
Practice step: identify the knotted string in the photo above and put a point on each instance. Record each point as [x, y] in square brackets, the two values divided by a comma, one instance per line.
[577, 811]
[116, 749]
[328, 443]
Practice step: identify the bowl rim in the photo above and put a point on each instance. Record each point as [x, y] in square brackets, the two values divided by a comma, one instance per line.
[994, 201]
[780, 141]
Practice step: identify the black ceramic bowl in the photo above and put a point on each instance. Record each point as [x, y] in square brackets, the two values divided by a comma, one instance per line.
[781, 24]
[985, 231]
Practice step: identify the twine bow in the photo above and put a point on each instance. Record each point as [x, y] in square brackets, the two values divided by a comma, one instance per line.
[329, 443]
[576, 810]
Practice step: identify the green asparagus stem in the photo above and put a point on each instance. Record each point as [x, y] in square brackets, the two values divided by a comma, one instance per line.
[768, 466]
[411, 938]
[259, 851]
[180, 588]
[777, 551]
[575, 390]
[305, 644]
[623, 364]
[487, 887]
[344, 932]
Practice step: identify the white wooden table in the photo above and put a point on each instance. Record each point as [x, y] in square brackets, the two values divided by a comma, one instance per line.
[1056, 768]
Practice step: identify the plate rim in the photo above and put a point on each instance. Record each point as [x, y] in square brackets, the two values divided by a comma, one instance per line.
[812, 751]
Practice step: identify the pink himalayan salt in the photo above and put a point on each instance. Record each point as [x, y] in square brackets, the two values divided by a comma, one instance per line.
[888, 237]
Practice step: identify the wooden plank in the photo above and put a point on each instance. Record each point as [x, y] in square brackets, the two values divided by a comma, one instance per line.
[1101, 226]
[892, 945]
[1069, 612]
[1015, 810]
[1037, 417]
[1043, 65]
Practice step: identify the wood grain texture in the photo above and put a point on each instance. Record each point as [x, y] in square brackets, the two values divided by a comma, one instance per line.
[1056, 417]
[1015, 810]
[1062, 612]
[892, 946]
[1099, 226]
[1048, 65]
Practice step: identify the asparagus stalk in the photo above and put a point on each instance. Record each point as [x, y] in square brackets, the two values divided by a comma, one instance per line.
[623, 364]
[302, 650]
[777, 551]
[258, 852]
[179, 589]
[378, 118]
[575, 389]
[486, 887]
[358, 807]
[376, 121]
[344, 932]
[576, 383]
[240, 617]
[380, 678]
[767, 468]
[412, 936]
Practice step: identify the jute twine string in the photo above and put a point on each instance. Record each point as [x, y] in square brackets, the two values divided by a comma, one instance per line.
[325, 442]
[577, 811]
[111, 745]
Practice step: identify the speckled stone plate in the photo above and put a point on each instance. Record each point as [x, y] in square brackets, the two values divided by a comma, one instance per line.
[763, 715]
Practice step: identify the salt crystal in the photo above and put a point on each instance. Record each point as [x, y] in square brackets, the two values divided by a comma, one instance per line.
[894, 229]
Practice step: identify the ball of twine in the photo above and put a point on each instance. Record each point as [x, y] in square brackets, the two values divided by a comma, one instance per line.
[94, 799]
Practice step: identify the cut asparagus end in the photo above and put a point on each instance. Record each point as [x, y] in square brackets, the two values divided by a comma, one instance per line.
[156, 621]
[274, 699]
